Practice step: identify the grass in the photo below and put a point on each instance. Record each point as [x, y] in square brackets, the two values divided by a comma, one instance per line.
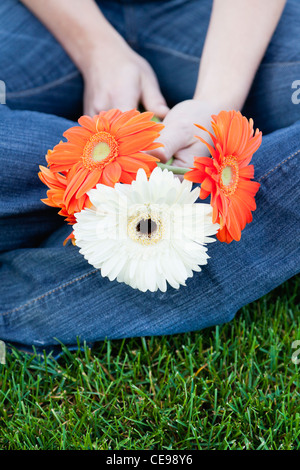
[228, 387]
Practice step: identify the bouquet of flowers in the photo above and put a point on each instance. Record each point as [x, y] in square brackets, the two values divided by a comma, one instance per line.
[132, 218]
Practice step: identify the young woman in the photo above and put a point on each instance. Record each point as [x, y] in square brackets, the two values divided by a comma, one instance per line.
[184, 60]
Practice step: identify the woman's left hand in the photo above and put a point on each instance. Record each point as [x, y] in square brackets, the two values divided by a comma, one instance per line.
[178, 136]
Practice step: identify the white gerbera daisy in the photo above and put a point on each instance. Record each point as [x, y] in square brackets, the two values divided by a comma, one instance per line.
[146, 233]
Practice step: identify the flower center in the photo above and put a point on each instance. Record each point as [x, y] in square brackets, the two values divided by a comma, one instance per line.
[146, 227]
[229, 172]
[100, 150]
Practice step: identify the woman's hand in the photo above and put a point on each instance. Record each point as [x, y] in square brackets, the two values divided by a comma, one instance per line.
[117, 77]
[227, 68]
[178, 136]
[114, 75]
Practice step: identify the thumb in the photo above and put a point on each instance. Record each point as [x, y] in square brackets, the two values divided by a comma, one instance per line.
[152, 97]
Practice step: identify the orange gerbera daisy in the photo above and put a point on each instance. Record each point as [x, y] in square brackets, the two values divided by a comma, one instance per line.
[227, 175]
[107, 149]
[57, 184]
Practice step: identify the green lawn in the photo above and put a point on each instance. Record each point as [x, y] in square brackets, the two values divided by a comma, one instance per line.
[228, 387]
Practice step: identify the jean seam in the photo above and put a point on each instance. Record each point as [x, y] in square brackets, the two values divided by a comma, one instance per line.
[62, 286]
[171, 51]
[41, 88]
[279, 165]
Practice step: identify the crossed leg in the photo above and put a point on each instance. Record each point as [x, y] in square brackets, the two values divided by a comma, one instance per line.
[50, 292]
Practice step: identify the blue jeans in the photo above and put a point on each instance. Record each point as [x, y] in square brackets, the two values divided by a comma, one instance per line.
[49, 292]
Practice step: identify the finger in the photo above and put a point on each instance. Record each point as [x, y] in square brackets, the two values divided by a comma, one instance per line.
[95, 104]
[151, 95]
[183, 163]
[173, 138]
[88, 108]
[126, 98]
[185, 157]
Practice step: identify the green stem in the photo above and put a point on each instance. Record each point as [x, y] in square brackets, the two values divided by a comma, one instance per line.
[177, 170]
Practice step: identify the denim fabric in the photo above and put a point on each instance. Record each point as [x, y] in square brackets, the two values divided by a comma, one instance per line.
[48, 292]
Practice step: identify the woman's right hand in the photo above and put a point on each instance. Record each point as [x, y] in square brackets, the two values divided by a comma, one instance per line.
[117, 77]
[114, 75]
